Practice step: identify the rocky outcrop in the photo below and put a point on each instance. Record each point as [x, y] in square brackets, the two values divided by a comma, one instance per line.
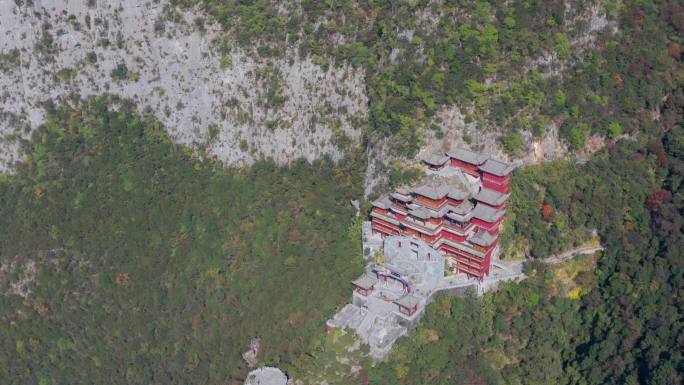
[206, 93]
[266, 376]
[192, 76]
[455, 132]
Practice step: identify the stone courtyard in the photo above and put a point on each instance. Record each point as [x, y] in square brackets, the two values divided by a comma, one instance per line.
[402, 276]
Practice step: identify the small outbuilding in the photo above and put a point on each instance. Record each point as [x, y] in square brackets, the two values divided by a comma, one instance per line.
[364, 284]
[436, 162]
[408, 304]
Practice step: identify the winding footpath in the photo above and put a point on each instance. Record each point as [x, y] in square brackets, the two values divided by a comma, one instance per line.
[566, 255]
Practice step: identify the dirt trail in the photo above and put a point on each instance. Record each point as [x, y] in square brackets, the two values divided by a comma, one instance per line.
[566, 255]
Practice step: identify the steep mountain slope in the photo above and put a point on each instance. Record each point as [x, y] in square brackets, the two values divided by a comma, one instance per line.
[238, 107]
[296, 79]
[126, 259]
[125, 256]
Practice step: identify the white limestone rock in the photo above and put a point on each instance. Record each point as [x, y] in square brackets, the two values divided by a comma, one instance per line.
[266, 376]
[180, 75]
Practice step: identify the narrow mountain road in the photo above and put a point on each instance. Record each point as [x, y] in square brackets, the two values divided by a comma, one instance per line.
[566, 255]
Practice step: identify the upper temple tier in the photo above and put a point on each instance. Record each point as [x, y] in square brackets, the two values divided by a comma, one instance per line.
[458, 210]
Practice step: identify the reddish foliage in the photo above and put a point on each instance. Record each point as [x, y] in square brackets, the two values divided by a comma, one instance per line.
[634, 67]
[285, 346]
[676, 16]
[638, 18]
[234, 299]
[658, 150]
[675, 50]
[547, 211]
[295, 235]
[671, 111]
[655, 199]
[363, 374]
[470, 373]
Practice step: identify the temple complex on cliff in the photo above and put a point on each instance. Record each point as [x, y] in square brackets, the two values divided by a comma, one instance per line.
[458, 210]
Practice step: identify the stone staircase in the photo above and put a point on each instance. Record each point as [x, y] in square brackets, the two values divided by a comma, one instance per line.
[365, 326]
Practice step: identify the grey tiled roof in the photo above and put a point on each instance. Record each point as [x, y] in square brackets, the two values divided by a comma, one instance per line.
[491, 197]
[365, 281]
[385, 218]
[420, 213]
[483, 238]
[464, 208]
[436, 159]
[460, 217]
[402, 197]
[383, 202]
[487, 213]
[458, 194]
[432, 190]
[408, 301]
[413, 206]
[403, 190]
[497, 167]
[467, 156]
[463, 246]
[436, 190]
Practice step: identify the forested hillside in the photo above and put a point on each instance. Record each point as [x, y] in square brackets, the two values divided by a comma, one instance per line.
[285, 79]
[621, 323]
[518, 69]
[128, 259]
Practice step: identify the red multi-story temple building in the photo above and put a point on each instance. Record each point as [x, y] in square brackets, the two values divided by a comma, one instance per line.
[445, 213]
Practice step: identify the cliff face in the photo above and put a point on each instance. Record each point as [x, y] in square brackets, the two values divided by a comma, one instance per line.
[208, 91]
[237, 107]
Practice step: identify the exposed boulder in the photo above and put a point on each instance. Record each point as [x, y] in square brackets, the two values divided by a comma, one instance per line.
[266, 376]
